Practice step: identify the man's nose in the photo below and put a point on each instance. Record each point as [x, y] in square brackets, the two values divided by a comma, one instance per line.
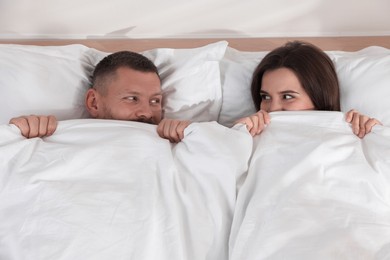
[144, 111]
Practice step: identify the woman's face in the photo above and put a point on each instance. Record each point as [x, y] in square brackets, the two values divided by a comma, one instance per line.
[282, 91]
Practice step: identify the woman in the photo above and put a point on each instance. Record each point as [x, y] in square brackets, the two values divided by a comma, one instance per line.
[298, 76]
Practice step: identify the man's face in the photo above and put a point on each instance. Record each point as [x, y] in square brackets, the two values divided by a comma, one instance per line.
[132, 96]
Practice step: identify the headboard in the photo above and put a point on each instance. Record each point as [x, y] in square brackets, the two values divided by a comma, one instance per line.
[244, 44]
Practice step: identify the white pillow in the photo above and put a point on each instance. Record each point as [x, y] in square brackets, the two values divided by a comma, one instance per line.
[364, 78]
[43, 80]
[53, 80]
[191, 81]
[236, 75]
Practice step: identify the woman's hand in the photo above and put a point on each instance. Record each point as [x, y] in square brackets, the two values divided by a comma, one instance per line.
[255, 123]
[361, 124]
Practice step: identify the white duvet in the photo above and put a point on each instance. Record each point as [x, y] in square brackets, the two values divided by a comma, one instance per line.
[314, 191]
[101, 189]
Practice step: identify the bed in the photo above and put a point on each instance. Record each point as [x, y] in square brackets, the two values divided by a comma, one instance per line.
[306, 188]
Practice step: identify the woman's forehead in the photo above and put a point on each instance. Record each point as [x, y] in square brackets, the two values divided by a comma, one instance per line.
[280, 79]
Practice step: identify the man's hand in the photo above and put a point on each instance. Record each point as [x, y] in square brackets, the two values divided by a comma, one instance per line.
[172, 129]
[35, 126]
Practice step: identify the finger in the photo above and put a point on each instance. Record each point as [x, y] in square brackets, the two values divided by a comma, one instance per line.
[43, 124]
[167, 129]
[173, 136]
[267, 118]
[22, 124]
[247, 121]
[255, 125]
[370, 124]
[33, 124]
[52, 125]
[350, 114]
[160, 128]
[355, 122]
[262, 121]
[362, 128]
[176, 131]
[180, 129]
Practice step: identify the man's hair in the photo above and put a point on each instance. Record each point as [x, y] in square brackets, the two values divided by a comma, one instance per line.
[313, 67]
[105, 70]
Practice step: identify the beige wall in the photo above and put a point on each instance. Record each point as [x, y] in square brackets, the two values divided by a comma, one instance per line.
[189, 18]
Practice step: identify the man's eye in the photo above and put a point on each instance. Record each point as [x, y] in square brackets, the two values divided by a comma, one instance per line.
[265, 97]
[155, 101]
[287, 96]
[131, 98]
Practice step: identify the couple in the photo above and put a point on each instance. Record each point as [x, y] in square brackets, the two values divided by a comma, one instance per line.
[127, 86]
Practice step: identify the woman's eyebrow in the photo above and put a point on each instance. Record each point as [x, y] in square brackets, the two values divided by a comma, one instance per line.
[281, 92]
[288, 92]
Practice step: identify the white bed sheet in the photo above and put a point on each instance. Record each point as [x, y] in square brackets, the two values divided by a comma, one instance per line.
[314, 191]
[102, 189]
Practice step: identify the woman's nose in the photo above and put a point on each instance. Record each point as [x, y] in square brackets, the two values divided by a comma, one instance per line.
[275, 106]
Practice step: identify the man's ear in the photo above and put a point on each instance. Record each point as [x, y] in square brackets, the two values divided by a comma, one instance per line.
[91, 102]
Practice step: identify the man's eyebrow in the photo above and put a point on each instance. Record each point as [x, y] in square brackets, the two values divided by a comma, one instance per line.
[157, 93]
[136, 93]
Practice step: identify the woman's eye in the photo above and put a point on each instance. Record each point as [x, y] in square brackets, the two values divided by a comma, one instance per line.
[265, 97]
[287, 96]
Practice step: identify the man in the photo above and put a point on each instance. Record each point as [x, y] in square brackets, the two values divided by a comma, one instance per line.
[125, 86]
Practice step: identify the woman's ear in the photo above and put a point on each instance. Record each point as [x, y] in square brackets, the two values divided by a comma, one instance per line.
[91, 102]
